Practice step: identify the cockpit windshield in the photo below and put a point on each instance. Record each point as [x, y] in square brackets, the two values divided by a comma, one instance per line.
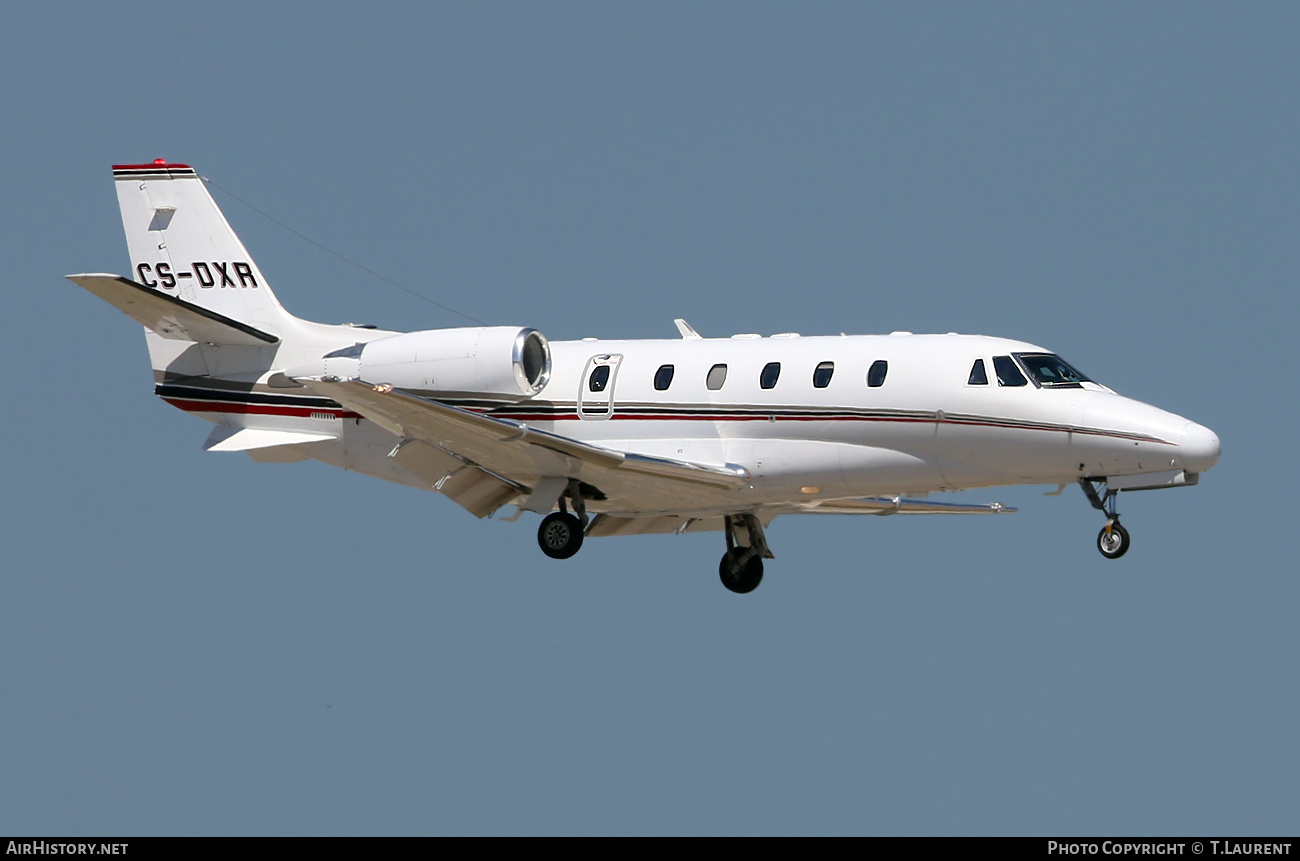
[1051, 371]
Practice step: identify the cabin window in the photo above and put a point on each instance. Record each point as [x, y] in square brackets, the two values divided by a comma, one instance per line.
[599, 378]
[663, 378]
[978, 376]
[717, 376]
[876, 376]
[1008, 373]
[822, 375]
[771, 373]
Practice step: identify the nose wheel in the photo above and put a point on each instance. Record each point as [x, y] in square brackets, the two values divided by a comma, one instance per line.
[1113, 540]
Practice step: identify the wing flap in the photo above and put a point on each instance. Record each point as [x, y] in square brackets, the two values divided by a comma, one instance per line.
[476, 490]
[172, 318]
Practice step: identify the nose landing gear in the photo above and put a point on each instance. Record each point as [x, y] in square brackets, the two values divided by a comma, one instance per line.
[1113, 540]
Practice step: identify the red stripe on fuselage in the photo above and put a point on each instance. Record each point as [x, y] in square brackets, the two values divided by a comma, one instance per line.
[780, 418]
[194, 406]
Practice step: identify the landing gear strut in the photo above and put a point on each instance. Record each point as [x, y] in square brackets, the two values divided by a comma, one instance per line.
[560, 533]
[1113, 540]
[741, 568]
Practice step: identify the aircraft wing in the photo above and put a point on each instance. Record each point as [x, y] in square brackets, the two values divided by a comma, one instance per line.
[884, 505]
[518, 456]
[170, 316]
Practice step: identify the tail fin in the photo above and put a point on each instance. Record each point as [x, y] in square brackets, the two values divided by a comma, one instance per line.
[182, 246]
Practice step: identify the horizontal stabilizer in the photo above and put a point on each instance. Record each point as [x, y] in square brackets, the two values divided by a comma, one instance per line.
[245, 439]
[171, 317]
[903, 505]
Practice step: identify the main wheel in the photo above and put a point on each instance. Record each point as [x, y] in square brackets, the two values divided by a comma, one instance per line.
[747, 578]
[560, 535]
[1113, 543]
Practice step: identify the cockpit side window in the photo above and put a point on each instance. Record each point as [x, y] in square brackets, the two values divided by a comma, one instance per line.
[1008, 373]
[353, 352]
[1052, 372]
[978, 376]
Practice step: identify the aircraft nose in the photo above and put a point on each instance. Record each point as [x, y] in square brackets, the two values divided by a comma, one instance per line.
[1200, 448]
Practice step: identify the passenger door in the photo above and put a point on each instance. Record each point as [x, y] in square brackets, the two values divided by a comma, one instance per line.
[596, 387]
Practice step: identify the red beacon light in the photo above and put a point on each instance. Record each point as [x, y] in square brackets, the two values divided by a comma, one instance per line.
[160, 161]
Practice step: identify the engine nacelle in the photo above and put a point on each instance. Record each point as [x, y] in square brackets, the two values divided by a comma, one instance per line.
[503, 362]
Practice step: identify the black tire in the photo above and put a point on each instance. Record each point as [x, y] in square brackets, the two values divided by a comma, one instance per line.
[747, 578]
[1113, 544]
[560, 535]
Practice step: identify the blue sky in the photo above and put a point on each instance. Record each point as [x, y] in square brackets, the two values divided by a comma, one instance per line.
[197, 644]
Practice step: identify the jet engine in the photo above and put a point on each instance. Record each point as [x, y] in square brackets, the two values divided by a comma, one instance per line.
[502, 362]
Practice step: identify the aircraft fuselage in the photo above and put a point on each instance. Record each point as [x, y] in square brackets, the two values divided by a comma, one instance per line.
[817, 422]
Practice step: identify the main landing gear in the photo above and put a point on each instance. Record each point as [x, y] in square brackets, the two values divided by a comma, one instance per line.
[560, 536]
[1113, 540]
[560, 533]
[741, 568]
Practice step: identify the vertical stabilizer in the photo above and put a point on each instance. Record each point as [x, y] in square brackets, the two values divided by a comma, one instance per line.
[182, 246]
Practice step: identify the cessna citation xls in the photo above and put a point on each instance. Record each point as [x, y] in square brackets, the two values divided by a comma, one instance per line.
[623, 437]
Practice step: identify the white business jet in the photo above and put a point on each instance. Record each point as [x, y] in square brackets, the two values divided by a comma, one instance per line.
[623, 437]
